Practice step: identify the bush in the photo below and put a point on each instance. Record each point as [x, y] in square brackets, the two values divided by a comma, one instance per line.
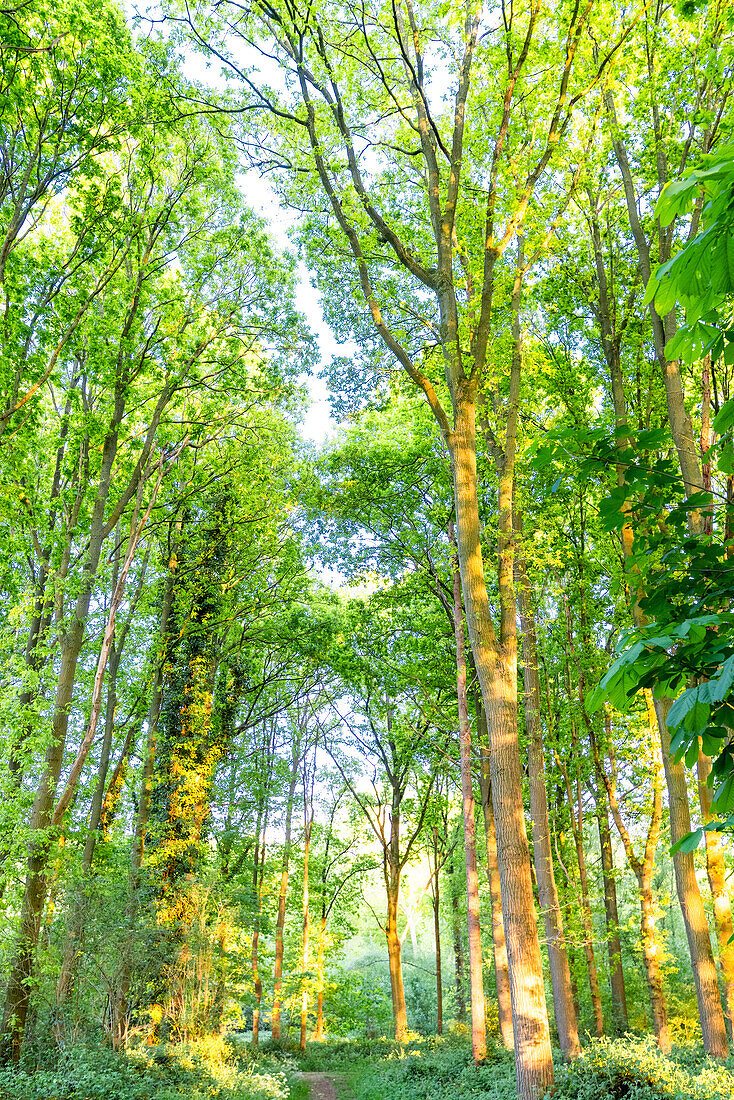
[635, 1068]
[624, 1069]
[208, 1069]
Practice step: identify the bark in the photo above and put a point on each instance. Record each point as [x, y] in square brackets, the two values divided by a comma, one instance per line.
[75, 928]
[575, 807]
[308, 823]
[458, 945]
[616, 972]
[320, 948]
[716, 870]
[280, 922]
[565, 1015]
[435, 900]
[691, 902]
[394, 948]
[120, 999]
[18, 993]
[694, 917]
[257, 879]
[496, 663]
[643, 868]
[476, 978]
[499, 947]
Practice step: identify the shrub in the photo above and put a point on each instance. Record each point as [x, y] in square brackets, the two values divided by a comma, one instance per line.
[208, 1069]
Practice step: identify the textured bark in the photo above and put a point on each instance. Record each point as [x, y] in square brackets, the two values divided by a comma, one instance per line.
[499, 946]
[702, 964]
[565, 1014]
[496, 664]
[258, 874]
[75, 924]
[476, 977]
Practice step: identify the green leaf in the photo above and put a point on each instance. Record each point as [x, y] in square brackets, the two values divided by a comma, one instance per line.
[724, 418]
[688, 843]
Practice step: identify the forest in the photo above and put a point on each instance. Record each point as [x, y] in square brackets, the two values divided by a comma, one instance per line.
[367, 549]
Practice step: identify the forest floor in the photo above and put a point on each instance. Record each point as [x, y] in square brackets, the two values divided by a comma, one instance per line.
[324, 1086]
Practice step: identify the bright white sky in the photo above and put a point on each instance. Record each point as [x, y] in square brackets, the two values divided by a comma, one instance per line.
[317, 424]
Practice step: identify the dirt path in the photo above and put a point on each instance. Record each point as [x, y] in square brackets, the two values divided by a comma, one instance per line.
[322, 1086]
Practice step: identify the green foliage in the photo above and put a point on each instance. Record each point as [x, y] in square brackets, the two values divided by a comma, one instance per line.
[442, 1069]
[208, 1070]
[701, 276]
[636, 1068]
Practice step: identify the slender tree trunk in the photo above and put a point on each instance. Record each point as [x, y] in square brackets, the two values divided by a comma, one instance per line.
[458, 945]
[258, 875]
[499, 947]
[435, 901]
[476, 977]
[305, 943]
[643, 869]
[120, 1000]
[575, 808]
[689, 895]
[394, 947]
[691, 902]
[280, 923]
[496, 666]
[616, 973]
[65, 982]
[18, 992]
[320, 948]
[566, 1023]
[716, 869]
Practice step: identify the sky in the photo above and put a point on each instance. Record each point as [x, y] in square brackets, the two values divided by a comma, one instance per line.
[317, 424]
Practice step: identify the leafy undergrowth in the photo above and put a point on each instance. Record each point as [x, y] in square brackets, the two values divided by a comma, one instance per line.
[211, 1069]
[430, 1069]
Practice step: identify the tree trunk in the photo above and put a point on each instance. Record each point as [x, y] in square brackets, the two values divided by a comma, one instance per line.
[576, 812]
[458, 949]
[476, 977]
[716, 869]
[75, 927]
[121, 995]
[643, 869]
[691, 902]
[280, 923]
[651, 956]
[305, 944]
[400, 1016]
[499, 947]
[18, 993]
[496, 663]
[694, 916]
[566, 1023]
[616, 973]
[319, 1033]
[437, 944]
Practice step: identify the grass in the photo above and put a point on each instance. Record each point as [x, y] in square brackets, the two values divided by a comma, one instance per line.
[442, 1069]
[210, 1069]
